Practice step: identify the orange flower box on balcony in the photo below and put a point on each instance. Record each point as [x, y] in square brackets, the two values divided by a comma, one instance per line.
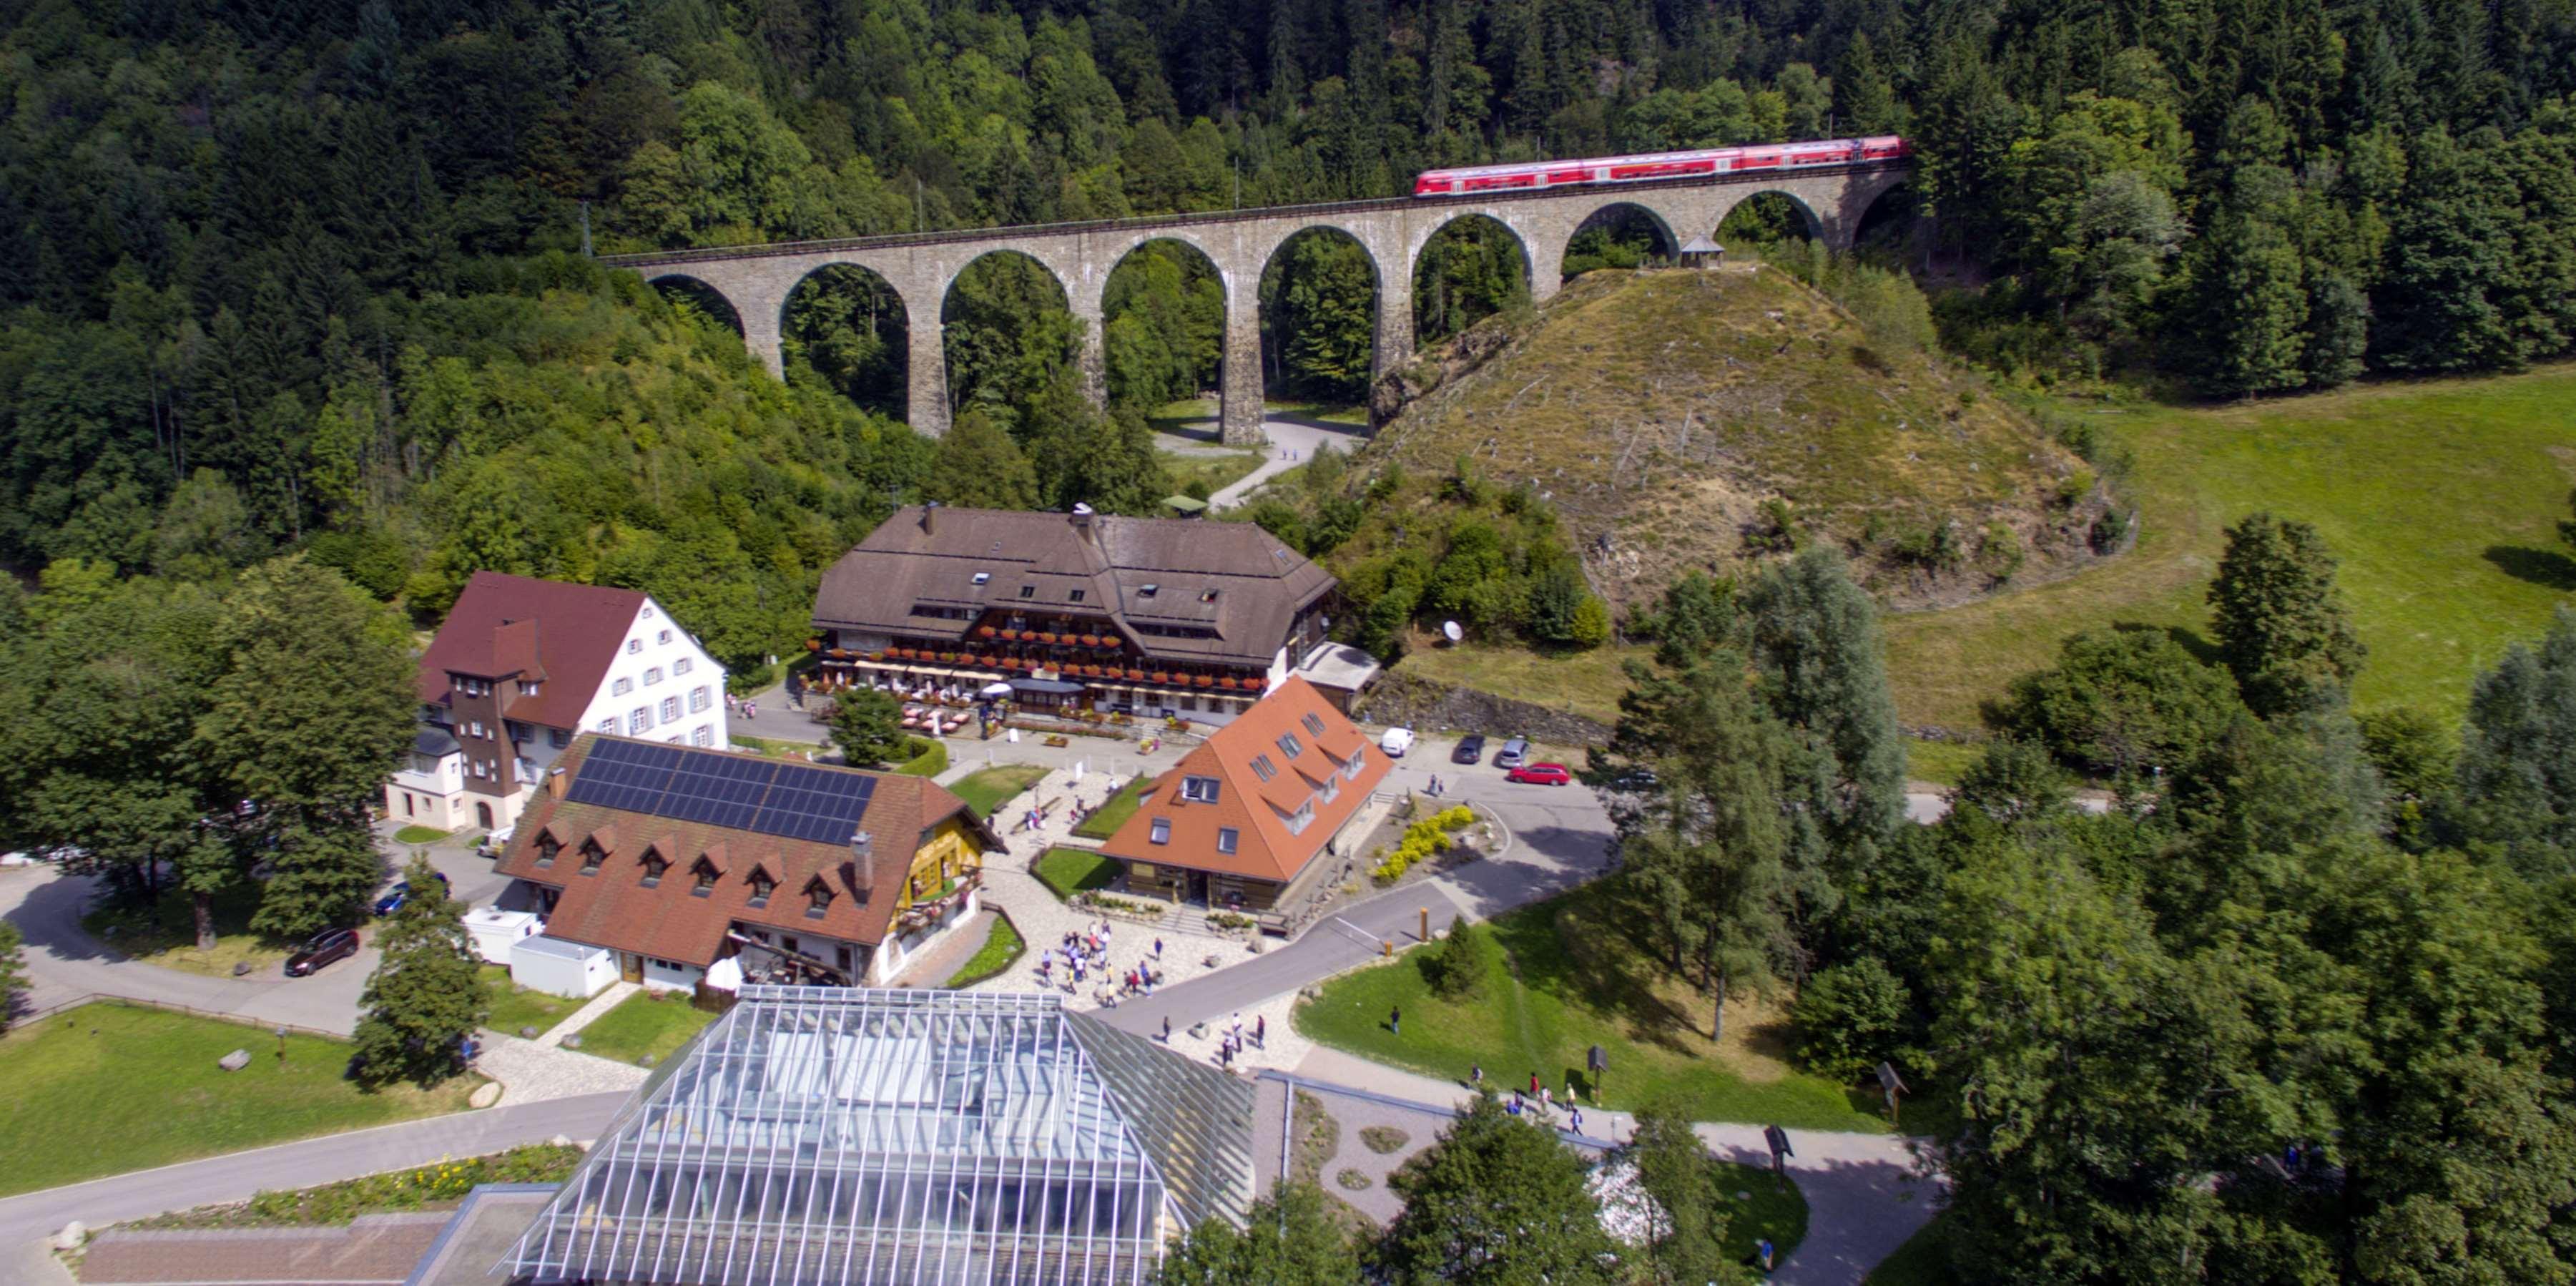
[1045, 636]
[1227, 681]
[1136, 675]
[1161, 676]
[1205, 681]
[876, 656]
[987, 631]
[1091, 640]
[1012, 635]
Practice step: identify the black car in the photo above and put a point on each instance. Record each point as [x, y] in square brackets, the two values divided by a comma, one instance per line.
[326, 946]
[1471, 749]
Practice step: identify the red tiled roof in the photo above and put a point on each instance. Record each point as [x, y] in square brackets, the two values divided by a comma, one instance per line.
[612, 907]
[1257, 810]
[563, 633]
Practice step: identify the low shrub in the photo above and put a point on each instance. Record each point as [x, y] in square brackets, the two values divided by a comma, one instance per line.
[1353, 1180]
[929, 758]
[1385, 1140]
[1849, 1017]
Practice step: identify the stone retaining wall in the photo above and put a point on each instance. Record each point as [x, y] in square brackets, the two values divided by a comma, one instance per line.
[1401, 697]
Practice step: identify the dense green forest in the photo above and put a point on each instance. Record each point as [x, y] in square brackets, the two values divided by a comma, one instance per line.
[291, 274]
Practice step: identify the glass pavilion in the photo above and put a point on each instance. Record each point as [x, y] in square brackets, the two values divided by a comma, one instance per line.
[829, 1134]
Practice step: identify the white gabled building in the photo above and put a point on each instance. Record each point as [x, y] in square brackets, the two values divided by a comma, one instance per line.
[519, 669]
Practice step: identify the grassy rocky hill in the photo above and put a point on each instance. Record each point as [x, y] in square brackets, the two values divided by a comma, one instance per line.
[1675, 420]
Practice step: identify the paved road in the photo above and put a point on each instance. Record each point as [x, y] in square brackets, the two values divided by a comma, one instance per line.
[1294, 435]
[237, 1176]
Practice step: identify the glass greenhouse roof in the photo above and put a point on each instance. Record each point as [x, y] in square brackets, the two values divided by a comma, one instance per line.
[828, 1134]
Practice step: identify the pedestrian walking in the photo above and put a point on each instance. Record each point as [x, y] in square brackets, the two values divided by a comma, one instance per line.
[1236, 1026]
[1395, 1019]
[1167, 1029]
[1158, 948]
[1476, 1075]
[1574, 1118]
[750, 710]
[1533, 1085]
[1762, 1252]
[1261, 1030]
[1547, 1099]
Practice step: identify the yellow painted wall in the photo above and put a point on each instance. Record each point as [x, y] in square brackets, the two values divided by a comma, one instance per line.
[951, 851]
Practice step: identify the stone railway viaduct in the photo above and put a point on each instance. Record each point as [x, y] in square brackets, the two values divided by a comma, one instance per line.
[756, 281]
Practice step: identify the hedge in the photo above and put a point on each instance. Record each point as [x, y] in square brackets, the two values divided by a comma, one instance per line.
[929, 758]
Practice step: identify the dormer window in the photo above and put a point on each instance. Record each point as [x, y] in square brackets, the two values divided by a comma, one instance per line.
[547, 847]
[529, 689]
[818, 897]
[704, 874]
[591, 856]
[654, 865]
[761, 887]
[1199, 789]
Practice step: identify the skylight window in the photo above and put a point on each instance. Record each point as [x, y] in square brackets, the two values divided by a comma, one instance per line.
[1028, 591]
[1290, 746]
[1314, 723]
[1075, 596]
[1208, 597]
[983, 577]
[1147, 591]
[1263, 768]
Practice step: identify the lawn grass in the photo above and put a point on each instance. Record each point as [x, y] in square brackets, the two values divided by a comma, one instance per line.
[1216, 472]
[1105, 820]
[1940, 763]
[1921, 1261]
[1574, 979]
[1075, 870]
[648, 1022]
[108, 1088]
[1002, 946]
[419, 835]
[1586, 683]
[774, 747]
[514, 1006]
[2440, 497]
[1768, 1208]
[165, 934]
[986, 789]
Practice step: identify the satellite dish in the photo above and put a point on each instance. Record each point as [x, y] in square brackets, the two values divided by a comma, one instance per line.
[1450, 630]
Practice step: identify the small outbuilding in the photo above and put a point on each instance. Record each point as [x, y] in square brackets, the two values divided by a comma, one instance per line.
[575, 970]
[1703, 252]
[494, 931]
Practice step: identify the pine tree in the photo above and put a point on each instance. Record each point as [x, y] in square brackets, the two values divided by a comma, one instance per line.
[1497, 1199]
[2517, 774]
[1813, 636]
[426, 996]
[1712, 850]
[2280, 620]
[979, 466]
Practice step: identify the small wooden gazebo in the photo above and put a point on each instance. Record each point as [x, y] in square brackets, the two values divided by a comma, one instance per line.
[1703, 253]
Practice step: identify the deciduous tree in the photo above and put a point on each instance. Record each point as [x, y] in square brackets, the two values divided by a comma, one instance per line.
[1498, 1200]
[426, 995]
[1288, 1239]
[868, 727]
[2279, 618]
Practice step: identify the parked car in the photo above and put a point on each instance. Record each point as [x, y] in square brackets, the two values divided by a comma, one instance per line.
[400, 893]
[1541, 775]
[1471, 749]
[1636, 781]
[326, 946]
[1396, 742]
[494, 844]
[1514, 753]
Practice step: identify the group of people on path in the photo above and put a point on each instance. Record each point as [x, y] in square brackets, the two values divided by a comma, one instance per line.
[1085, 952]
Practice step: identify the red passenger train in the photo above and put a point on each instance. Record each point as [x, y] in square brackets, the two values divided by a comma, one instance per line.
[1659, 165]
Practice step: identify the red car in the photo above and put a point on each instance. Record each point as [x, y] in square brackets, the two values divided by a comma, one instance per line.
[1541, 774]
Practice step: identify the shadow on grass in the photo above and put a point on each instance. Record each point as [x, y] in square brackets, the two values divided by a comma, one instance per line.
[1546, 957]
[2543, 567]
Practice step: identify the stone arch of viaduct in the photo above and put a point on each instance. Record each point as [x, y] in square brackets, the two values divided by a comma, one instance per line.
[756, 281]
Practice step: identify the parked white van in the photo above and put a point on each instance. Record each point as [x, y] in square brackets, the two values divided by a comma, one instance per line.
[1396, 742]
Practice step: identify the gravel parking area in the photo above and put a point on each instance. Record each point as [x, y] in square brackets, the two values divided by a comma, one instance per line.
[530, 1072]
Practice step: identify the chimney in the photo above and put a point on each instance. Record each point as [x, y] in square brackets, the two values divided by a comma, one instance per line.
[863, 847]
[1082, 521]
[930, 517]
[555, 782]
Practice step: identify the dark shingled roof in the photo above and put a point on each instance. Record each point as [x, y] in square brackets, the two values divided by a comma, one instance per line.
[612, 908]
[1260, 585]
[551, 630]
